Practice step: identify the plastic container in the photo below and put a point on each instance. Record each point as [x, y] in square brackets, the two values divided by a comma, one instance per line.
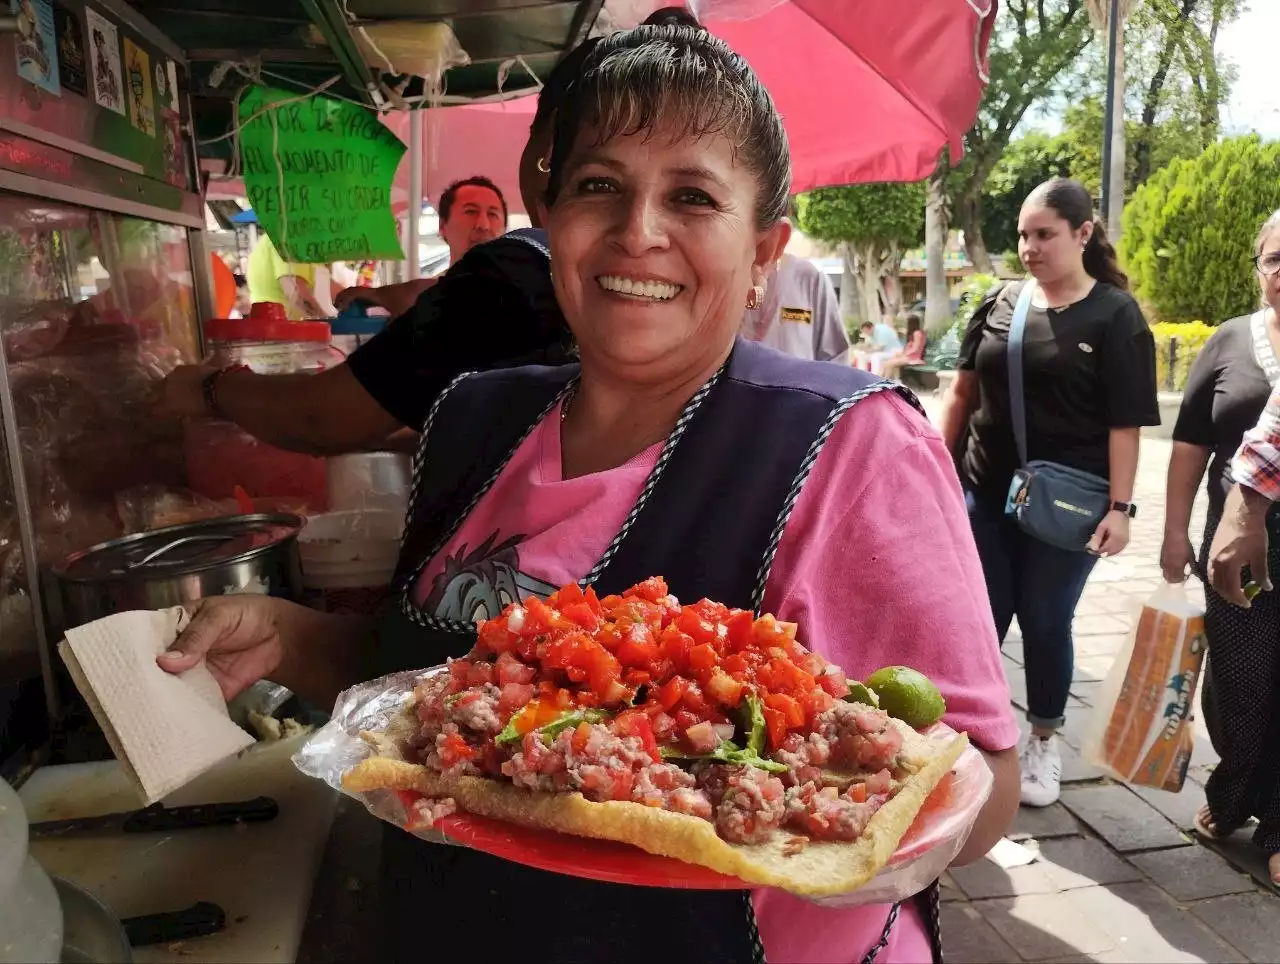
[369, 480]
[348, 559]
[30, 914]
[269, 343]
[221, 455]
[355, 326]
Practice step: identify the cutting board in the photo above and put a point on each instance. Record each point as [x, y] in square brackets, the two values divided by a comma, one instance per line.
[260, 874]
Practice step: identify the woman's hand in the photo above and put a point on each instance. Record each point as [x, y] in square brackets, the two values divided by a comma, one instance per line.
[238, 637]
[1177, 556]
[1111, 536]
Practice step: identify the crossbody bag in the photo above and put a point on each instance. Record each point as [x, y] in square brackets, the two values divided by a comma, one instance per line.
[1053, 502]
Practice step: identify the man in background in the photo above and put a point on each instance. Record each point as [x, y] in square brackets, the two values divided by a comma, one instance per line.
[879, 342]
[271, 278]
[472, 211]
[799, 314]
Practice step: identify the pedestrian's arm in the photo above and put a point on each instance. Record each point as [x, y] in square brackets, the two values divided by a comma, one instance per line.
[301, 297]
[1122, 450]
[397, 299]
[957, 408]
[1186, 469]
[1256, 465]
[830, 339]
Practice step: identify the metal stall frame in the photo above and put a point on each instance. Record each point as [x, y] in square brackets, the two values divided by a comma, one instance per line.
[28, 155]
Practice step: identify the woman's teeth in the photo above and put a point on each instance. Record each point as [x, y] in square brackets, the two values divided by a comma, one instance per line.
[657, 290]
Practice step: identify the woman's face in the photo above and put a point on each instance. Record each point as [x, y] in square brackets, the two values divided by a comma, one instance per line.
[1049, 247]
[655, 249]
[1269, 258]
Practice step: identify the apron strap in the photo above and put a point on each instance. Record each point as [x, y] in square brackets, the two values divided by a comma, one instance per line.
[930, 905]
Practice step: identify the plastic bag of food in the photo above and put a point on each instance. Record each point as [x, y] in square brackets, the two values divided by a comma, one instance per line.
[723, 10]
[924, 853]
[1142, 730]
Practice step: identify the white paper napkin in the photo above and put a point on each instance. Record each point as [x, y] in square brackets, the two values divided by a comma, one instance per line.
[165, 730]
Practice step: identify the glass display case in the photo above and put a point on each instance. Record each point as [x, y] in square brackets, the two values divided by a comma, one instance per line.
[103, 281]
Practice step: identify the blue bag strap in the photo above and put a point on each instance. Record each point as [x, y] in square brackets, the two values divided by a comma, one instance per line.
[1017, 400]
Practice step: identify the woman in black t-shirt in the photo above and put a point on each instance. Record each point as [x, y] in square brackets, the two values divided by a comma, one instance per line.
[1089, 364]
[1225, 393]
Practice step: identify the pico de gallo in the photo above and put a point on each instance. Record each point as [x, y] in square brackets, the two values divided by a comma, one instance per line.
[700, 709]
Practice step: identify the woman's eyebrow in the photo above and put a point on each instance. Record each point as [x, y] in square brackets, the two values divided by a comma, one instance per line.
[699, 172]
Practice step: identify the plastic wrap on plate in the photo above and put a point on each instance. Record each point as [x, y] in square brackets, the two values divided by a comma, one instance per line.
[925, 851]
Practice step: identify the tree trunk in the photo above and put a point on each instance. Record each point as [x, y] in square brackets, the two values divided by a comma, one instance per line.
[937, 296]
[893, 282]
[850, 302]
[970, 217]
[1115, 177]
[1155, 89]
[869, 283]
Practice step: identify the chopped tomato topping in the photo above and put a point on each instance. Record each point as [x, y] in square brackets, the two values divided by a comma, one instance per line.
[723, 688]
[511, 670]
[857, 793]
[455, 750]
[702, 657]
[636, 723]
[653, 589]
[692, 664]
[775, 724]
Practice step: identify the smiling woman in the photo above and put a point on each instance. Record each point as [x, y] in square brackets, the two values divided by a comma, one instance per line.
[673, 449]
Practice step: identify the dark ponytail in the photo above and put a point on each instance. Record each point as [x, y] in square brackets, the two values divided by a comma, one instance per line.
[1100, 259]
[1071, 200]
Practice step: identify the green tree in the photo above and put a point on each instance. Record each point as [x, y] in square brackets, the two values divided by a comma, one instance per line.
[1026, 163]
[1189, 231]
[1034, 52]
[870, 225]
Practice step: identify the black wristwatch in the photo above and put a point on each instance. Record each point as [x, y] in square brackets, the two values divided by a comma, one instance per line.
[1128, 508]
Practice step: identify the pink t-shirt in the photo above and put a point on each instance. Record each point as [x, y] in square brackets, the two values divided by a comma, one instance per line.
[877, 566]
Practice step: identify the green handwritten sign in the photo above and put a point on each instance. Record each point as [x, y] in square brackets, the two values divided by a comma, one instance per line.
[318, 175]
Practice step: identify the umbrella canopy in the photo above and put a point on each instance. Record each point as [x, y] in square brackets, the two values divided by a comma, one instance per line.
[869, 90]
[460, 142]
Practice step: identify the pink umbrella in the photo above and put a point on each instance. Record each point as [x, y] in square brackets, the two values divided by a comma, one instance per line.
[869, 90]
[460, 142]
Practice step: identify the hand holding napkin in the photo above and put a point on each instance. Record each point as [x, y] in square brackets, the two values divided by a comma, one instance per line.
[165, 730]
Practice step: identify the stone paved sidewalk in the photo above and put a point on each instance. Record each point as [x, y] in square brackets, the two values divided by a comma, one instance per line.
[1118, 877]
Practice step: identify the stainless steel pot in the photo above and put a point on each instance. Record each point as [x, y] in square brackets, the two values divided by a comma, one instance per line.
[183, 563]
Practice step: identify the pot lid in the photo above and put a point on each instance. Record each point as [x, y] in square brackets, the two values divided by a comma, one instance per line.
[181, 549]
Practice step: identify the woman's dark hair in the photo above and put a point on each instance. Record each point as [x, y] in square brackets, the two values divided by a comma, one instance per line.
[914, 323]
[670, 72]
[1072, 202]
[569, 68]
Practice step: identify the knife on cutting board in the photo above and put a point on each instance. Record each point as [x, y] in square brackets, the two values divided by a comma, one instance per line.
[157, 818]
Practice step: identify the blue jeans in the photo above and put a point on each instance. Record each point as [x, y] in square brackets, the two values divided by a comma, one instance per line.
[1040, 584]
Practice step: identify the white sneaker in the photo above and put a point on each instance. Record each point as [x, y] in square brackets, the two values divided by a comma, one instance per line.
[1041, 771]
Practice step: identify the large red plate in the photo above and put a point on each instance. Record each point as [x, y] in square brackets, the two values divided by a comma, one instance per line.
[947, 812]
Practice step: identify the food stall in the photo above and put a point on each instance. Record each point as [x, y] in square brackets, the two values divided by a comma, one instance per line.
[105, 287]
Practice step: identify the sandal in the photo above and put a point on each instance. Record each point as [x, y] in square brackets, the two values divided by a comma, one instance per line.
[1207, 828]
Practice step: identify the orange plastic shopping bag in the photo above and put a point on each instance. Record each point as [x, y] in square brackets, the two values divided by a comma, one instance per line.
[1142, 730]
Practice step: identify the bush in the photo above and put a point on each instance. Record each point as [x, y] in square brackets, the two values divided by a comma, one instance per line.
[1189, 231]
[1178, 343]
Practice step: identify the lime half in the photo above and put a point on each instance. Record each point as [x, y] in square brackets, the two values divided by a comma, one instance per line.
[859, 693]
[908, 695]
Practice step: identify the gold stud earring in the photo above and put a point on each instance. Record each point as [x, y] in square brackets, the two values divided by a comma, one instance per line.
[756, 298]
[543, 166]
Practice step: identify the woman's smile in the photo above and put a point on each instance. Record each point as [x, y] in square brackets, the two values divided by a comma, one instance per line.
[639, 289]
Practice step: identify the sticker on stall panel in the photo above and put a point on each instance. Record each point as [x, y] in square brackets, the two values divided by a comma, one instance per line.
[137, 69]
[104, 61]
[36, 45]
[72, 60]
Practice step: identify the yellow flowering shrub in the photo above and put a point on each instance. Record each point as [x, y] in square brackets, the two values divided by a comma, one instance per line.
[1180, 342]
